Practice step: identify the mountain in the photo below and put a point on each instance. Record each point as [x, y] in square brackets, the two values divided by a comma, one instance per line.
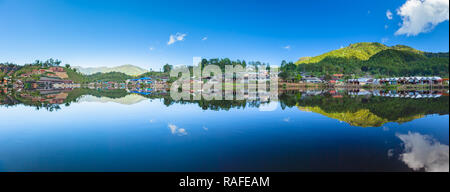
[358, 51]
[127, 69]
[360, 118]
[377, 59]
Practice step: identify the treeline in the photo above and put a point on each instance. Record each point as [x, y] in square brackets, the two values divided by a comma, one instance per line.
[386, 63]
[44, 64]
[391, 109]
[222, 62]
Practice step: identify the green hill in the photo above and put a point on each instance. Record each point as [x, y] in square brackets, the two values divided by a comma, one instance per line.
[357, 51]
[127, 69]
[377, 59]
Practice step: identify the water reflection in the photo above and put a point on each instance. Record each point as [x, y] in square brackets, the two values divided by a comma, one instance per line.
[357, 107]
[424, 152]
[311, 130]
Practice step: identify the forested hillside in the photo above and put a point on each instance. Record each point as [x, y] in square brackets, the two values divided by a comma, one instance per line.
[377, 59]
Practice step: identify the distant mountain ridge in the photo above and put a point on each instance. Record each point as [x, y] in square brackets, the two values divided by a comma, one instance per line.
[127, 69]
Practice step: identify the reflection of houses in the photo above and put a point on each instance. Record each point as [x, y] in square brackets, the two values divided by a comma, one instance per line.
[140, 81]
[398, 81]
[399, 94]
[51, 97]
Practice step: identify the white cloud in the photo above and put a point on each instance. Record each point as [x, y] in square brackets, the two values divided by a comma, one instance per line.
[389, 14]
[176, 130]
[152, 48]
[205, 128]
[390, 153]
[204, 38]
[176, 37]
[386, 26]
[424, 152]
[288, 47]
[287, 119]
[384, 40]
[421, 16]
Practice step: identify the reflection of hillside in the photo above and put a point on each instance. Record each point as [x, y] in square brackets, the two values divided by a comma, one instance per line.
[126, 100]
[361, 118]
[367, 111]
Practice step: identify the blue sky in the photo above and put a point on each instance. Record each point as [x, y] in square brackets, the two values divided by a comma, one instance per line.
[112, 32]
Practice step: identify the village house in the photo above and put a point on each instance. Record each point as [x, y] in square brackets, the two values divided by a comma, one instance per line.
[140, 81]
[312, 80]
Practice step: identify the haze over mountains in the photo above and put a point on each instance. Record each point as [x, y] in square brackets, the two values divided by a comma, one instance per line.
[127, 69]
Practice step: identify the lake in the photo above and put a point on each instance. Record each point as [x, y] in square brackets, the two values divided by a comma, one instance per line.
[310, 130]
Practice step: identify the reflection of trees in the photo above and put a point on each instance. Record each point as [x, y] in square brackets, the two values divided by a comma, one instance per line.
[48, 107]
[215, 105]
[367, 110]
[39, 101]
[356, 110]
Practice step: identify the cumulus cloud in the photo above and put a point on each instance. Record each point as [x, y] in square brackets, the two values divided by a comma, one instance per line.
[389, 14]
[176, 37]
[421, 16]
[424, 152]
[176, 130]
[204, 38]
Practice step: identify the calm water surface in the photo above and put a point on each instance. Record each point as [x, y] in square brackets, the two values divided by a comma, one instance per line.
[90, 130]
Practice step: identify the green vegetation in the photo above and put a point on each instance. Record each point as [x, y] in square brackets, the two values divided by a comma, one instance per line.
[111, 76]
[76, 76]
[126, 69]
[358, 51]
[367, 112]
[378, 60]
[73, 74]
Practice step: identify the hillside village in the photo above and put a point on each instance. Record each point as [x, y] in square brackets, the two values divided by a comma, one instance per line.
[359, 64]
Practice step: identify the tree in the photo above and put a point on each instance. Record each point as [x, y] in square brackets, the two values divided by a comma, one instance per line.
[67, 66]
[299, 77]
[327, 77]
[167, 68]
